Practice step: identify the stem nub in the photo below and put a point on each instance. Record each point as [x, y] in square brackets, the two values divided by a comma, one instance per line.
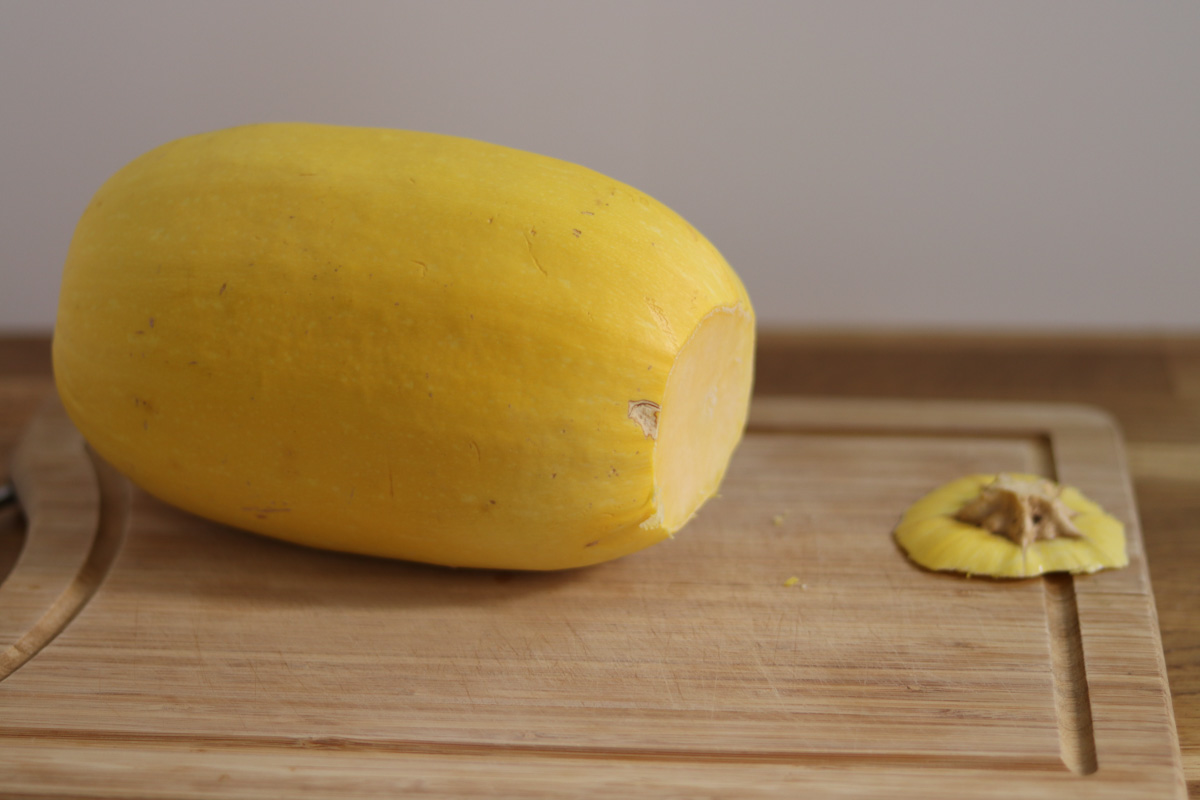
[1025, 511]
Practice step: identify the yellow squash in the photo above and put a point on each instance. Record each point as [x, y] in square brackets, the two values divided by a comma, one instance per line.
[404, 344]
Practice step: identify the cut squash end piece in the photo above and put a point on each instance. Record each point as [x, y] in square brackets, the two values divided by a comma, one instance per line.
[1011, 526]
[702, 415]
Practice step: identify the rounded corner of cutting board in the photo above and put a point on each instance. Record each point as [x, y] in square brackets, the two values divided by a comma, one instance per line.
[72, 535]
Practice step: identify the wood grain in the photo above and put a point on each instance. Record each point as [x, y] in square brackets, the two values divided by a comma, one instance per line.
[1072, 699]
[694, 666]
[77, 510]
[1150, 384]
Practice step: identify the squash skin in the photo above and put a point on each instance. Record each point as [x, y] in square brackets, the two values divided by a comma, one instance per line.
[384, 342]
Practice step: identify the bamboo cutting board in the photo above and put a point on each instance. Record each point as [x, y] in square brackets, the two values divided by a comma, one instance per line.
[151, 654]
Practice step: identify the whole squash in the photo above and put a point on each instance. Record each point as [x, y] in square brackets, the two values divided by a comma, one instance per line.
[403, 344]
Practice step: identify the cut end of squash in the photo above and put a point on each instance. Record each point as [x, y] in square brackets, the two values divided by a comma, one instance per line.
[703, 414]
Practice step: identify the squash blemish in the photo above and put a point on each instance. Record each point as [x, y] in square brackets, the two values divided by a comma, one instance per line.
[645, 414]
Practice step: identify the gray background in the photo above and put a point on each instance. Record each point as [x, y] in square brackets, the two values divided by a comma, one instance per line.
[965, 165]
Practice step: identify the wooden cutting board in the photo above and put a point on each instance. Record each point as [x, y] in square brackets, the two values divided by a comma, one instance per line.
[151, 653]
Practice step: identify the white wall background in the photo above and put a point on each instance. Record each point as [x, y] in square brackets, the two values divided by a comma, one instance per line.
[883, 164]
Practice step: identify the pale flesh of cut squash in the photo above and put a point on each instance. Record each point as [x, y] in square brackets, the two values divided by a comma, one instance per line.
[703, 413]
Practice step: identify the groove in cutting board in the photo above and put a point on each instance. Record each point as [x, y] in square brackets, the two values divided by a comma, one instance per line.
[398, 747]
[1072, 702]
[12, 538]
[113, 520]
[1077, 740]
